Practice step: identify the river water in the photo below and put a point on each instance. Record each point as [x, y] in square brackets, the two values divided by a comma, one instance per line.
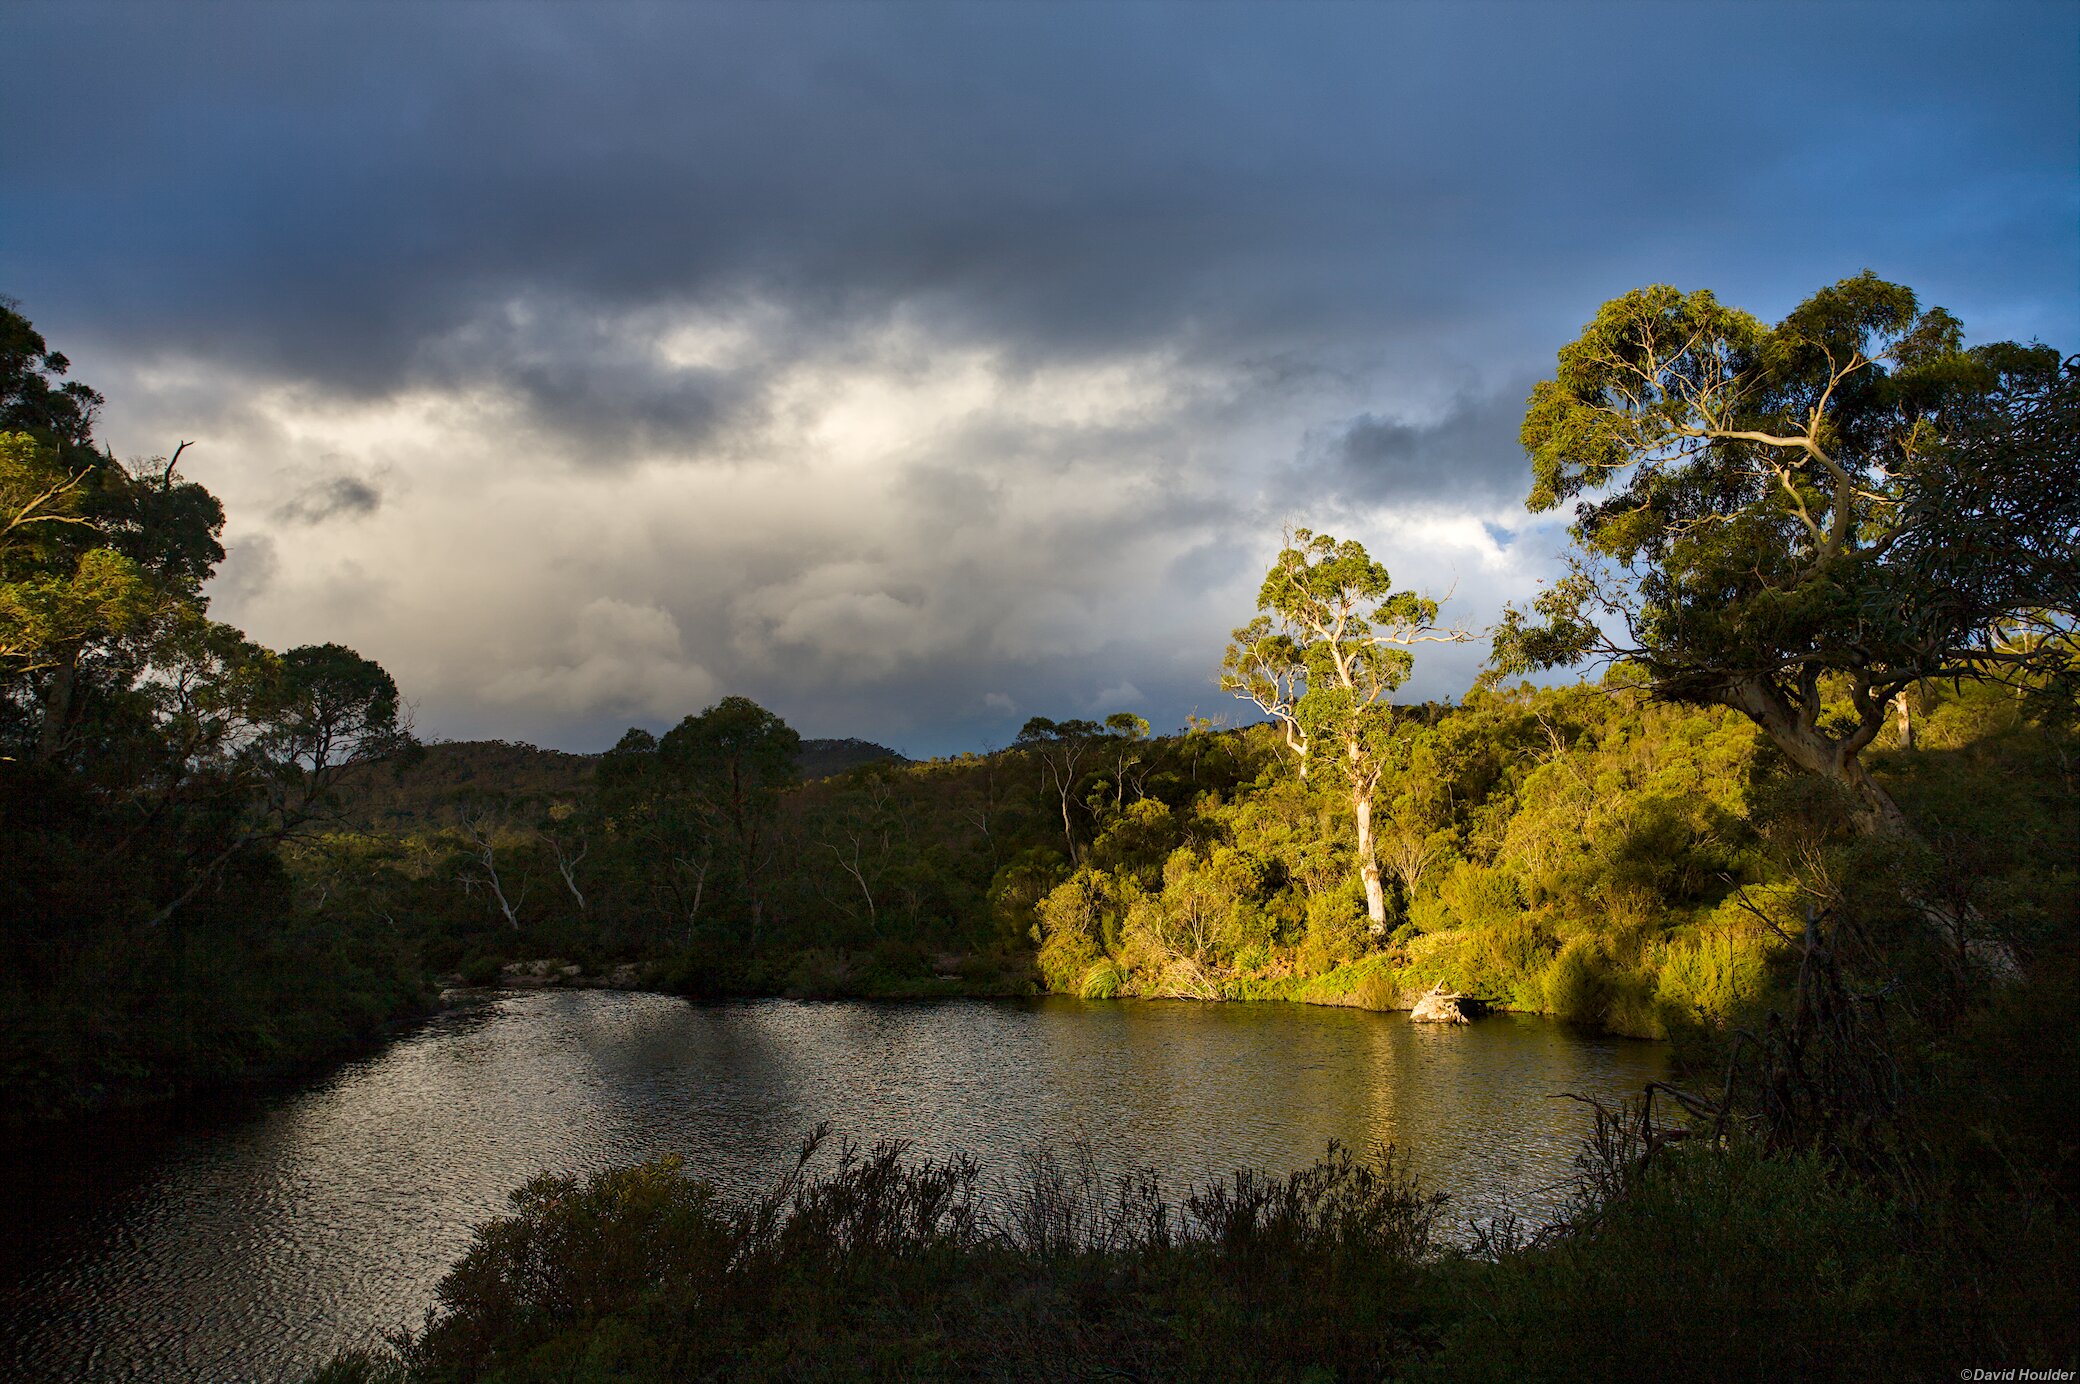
[252, 1244]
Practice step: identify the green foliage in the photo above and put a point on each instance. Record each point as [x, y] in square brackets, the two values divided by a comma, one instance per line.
[1841, 506]
[1576, 986]
[1717, 977]
[1075, 920]
[1101, 981]
[1336, 929]
[1719, 1265]
[1479, 895]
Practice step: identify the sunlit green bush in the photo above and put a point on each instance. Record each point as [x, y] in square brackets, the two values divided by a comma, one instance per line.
[1716, 976]
[1102, 981]
[1481, 895]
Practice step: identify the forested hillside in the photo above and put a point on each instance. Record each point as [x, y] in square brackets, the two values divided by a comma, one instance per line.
[438, 782]
[1574, 850]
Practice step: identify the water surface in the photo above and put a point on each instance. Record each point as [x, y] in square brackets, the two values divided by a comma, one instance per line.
[251, 1247]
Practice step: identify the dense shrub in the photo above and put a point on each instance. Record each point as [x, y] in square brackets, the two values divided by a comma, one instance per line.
[1716, 1265]
[862, 1264]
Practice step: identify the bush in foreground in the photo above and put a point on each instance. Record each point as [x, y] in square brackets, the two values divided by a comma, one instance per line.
[878, 1267]
[1706, 1262]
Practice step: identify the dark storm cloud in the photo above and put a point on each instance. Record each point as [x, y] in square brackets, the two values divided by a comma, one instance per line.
[1471, 456]
[595, 383]
[330, 191]
[340, 497]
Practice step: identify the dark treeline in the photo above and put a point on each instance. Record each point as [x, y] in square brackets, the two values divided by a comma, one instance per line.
[153, 762]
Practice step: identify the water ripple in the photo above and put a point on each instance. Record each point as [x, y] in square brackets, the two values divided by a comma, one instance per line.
[253, 1248]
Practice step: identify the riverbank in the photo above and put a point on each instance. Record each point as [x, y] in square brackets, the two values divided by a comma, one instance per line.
[1373, 984]
[180, 1015]
[1912, 1231]
[1380, 983]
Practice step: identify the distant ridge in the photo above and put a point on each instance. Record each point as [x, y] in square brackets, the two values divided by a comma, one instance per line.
[824, 758]
[450, 772]
[428, 788]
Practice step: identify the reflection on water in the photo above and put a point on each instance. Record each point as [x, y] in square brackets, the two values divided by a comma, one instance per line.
[251, 1250]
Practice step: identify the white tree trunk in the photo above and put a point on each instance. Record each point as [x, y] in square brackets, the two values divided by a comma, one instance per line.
[1368, 860]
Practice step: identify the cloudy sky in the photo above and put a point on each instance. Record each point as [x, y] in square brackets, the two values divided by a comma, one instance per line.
[916, 368]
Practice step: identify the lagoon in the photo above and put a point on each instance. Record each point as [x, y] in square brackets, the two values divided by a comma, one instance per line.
[253, 1244]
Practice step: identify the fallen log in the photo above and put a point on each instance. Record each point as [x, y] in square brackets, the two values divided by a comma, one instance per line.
[1441, 1006]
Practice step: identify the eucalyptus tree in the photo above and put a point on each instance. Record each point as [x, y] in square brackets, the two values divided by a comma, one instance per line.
[1063, 749]
[269, 735]
[1066, 751]
[1128, 733]
[1803, 521]
[1322, 660]
[1788, 519]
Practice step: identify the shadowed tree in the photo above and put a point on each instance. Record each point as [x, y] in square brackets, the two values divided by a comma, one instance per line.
[730, 762]
[278, 731]
[663, 842]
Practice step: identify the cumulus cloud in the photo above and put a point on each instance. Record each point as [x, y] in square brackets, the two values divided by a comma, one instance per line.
[618, 658]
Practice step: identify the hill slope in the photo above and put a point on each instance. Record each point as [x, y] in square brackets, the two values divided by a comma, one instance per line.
[431, 786]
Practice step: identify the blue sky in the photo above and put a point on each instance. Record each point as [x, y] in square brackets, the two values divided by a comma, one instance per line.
[918, 368]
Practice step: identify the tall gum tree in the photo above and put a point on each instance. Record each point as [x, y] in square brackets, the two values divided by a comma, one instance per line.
[1322, 659]
[1783, 519]
[1066, 751]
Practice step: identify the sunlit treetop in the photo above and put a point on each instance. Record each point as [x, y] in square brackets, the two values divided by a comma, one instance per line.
[1851, 494]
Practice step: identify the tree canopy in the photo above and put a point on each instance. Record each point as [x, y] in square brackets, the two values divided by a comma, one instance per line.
[113, 677]
[1838, 506]
[705, 797]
